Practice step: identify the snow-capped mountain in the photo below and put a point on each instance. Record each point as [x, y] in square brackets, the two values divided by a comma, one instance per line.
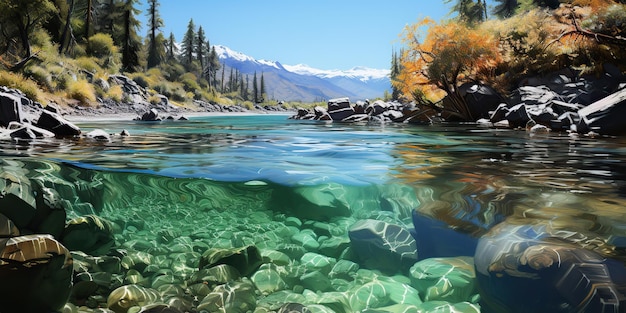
[303, 83]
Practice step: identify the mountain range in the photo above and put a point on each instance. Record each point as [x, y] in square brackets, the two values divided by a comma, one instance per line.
[303, 83]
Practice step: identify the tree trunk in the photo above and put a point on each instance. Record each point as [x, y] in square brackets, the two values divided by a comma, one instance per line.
[23, 30]
[64, 42]
[88, 18]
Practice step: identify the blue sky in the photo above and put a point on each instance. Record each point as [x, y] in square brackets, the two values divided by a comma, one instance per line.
[325, 34]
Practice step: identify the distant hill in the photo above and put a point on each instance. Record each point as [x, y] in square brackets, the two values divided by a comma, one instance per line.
[303, 83]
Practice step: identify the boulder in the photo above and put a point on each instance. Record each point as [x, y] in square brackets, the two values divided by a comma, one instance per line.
[56, 124]
[339, 109]
[317, 202]
[537, 268]
[90, 234]
[10, 109]
[380, 245]
[99, 135]
[376, 108]
[445, 279]
[605, 115]
[518, 116]
[480, 99]
[151, 116]
[245, 259]
[38, 278]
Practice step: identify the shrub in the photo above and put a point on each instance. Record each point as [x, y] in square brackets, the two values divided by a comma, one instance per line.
[17, 81]
[88, 64]
[101, 45]
[141, 79]
[115, 93]
[40, 75]
[190, 82]
[81, 90]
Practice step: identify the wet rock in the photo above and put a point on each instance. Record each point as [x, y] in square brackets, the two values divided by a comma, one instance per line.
[315, 281]
[236, 297]
[294, 308]
[518, 116]
[379, 294]
[99, 135]
[344, 269]
[90, 234]
[28, 131]
[317, 262]
[383, 246]
[151, 116]
[605, 116]
[480, 99]
[446, 279]
[533, 268]
[339, 109]
[56, 124]
[245, 259]
[376, 108]
[125, 297]
[36, 272]
[312, 202]
[10, 109]
[268, 281]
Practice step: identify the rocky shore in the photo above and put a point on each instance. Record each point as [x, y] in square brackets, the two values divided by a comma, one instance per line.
[562, 102]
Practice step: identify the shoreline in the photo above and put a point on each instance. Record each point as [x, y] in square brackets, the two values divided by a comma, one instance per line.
[132, 116]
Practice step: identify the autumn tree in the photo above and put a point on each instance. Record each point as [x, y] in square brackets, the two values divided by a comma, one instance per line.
[451, 54]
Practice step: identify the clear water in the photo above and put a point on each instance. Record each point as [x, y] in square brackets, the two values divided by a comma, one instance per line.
[222, 174]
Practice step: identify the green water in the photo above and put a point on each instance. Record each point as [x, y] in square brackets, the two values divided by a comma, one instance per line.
[174, 189]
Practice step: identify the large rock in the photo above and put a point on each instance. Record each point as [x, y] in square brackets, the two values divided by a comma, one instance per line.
[383, 246]
[36, 273]
[537, 268]
[317, 202]
[10, 109]
[445, 279]
[90, 234]
[480, 99]
[340, 109]
[56, 124]
[605, 116]
[245, 259]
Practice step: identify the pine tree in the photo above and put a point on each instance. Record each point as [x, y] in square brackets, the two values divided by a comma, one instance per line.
[213, 65]
[505, 8]
[262, 89]
[22, 17]
[470, 11]
[172, 50]
[201, 47]
[188, 44]
[131, 44]
[393, 75]
[255, 89]
[155, 47]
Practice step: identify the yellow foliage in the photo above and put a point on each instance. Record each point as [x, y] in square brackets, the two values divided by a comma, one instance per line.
[452, 53]
[17, 81]
[116, 93]
[81, 90]
[89, 64]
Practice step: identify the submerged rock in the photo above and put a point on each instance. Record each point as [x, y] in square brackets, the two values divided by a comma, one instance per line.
[36, 272]
[445, 279]
[245, 259]
[528, 268]
[383, 246]
[90, 234]
[125, 297]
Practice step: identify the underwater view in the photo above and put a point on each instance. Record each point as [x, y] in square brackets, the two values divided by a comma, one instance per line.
[260, 213]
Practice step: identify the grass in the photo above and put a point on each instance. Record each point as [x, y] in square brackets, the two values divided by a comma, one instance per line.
[82, 91]
[17, 81]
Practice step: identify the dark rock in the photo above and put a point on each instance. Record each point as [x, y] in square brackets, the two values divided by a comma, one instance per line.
[435, 238]
[124, 133]
[316, 202]
[480, 99]
[357, 118]
[90, 234]
[376, 108]
[359, 107]
[151, 116]
[605, 116]
[532, 268]
[321, 114]
[182, 118]
[245, 259]
[52, 107]
[518, 116]
[541, 115]
[57, 124]
[500, 113]
[38, 278]
[339, 109]
[237, 296]
[383, 246]
[49, 218]
[393, 115]
[10, 109]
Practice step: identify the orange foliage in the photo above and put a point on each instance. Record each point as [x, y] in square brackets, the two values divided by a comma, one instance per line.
[595, 5]
[451, 54]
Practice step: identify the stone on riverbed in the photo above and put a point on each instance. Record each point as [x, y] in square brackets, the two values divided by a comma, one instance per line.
[534, 268]
[90, 234]
[447, 279]
[36, 273]
[125, 297]
[235, 297]
[245, 259]
[383, 246]
[312, 202]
